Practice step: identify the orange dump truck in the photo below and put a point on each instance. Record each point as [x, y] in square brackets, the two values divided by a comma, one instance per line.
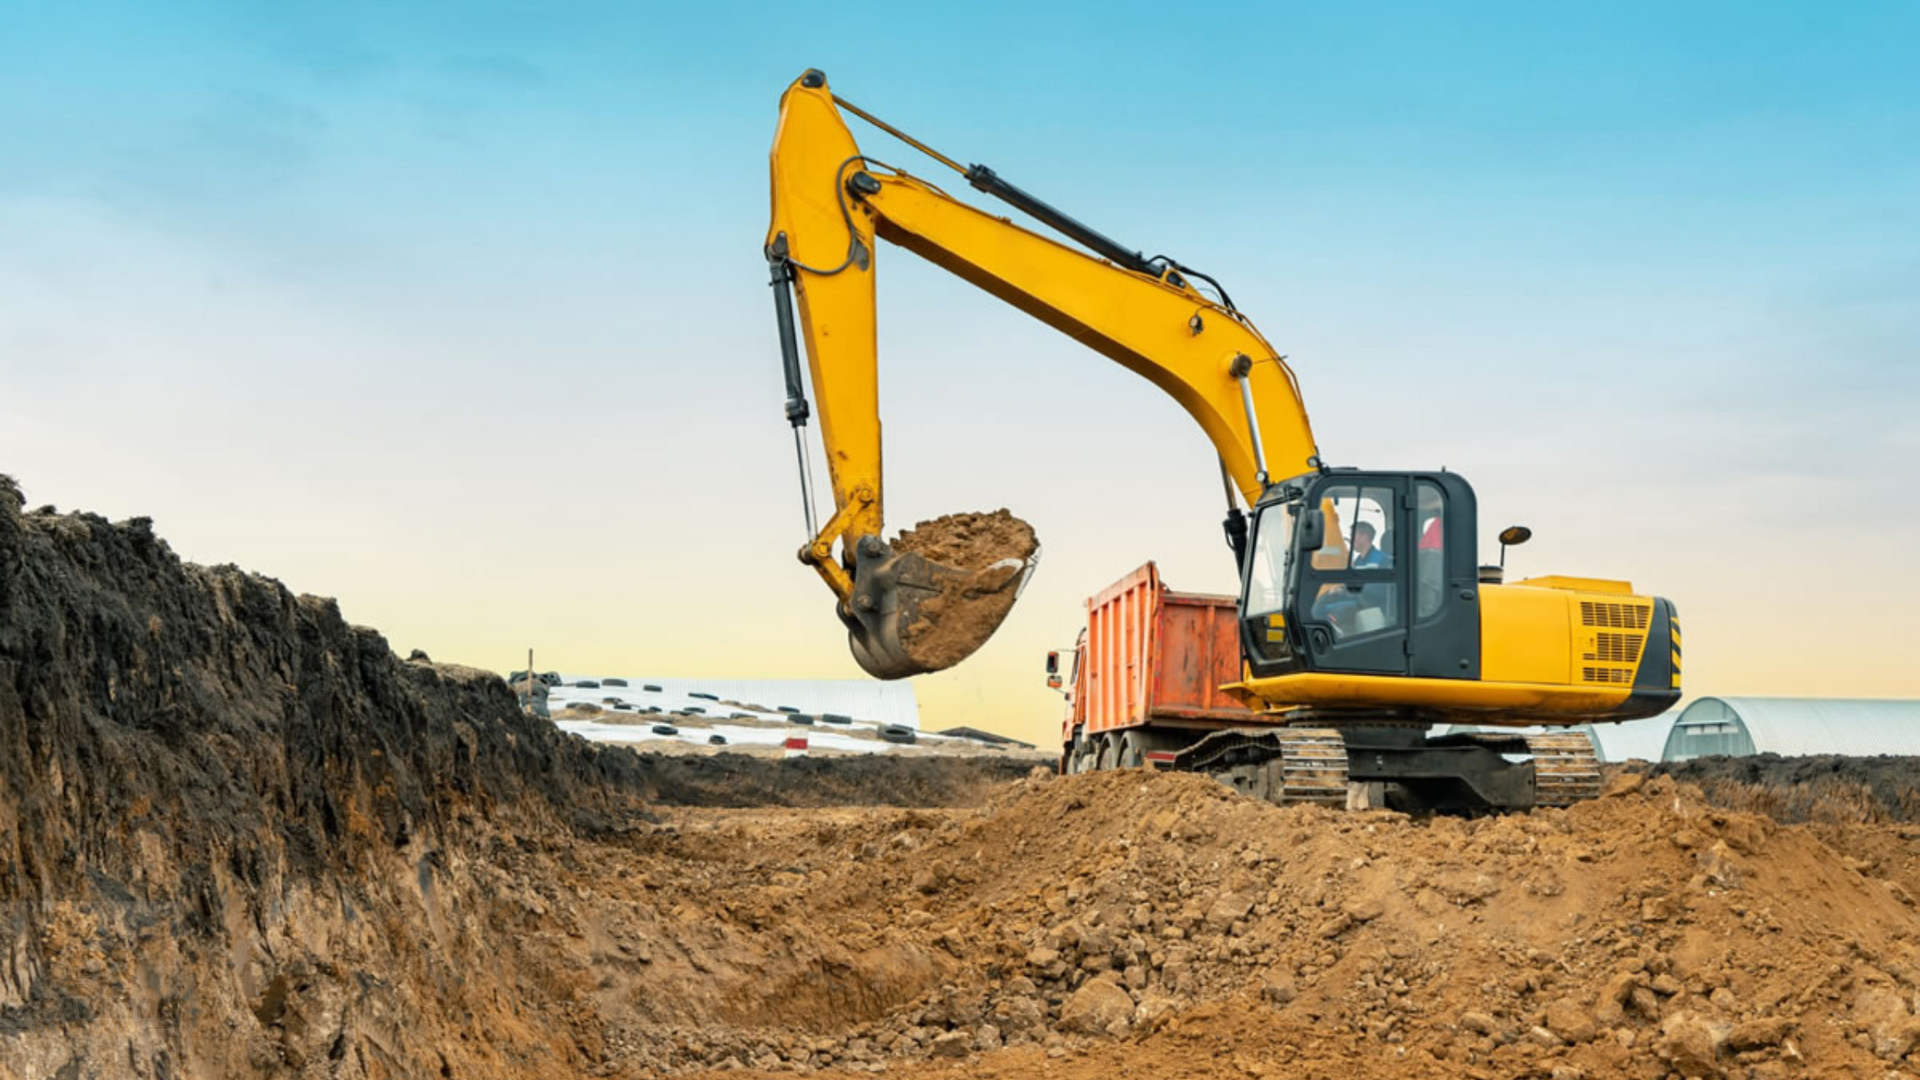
[1146, 673]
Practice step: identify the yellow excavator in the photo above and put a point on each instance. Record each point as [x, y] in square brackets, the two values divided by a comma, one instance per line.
[1365, 618]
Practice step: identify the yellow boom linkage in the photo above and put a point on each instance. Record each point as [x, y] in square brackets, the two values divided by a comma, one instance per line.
[829, 203]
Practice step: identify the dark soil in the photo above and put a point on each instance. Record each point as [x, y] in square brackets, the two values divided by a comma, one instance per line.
[1815, 788]
[737, 780]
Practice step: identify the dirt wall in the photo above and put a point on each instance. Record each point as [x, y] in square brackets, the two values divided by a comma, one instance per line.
[240, 837]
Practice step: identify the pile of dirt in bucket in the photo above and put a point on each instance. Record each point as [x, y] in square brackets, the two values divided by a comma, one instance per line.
[994, 548]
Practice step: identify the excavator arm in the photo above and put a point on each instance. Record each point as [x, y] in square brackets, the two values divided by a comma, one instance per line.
[830, 202]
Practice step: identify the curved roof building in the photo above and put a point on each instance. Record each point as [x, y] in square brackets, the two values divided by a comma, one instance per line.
[1789, 726]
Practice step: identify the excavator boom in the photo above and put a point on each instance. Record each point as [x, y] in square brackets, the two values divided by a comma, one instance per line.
[830, 202]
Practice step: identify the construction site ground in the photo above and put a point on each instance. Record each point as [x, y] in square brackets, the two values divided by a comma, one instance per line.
[239, 837]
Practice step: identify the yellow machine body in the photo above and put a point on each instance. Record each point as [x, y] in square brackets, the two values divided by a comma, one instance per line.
[1554, 650]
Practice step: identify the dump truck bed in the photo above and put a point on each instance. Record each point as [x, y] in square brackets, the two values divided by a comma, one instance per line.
[1156, 656]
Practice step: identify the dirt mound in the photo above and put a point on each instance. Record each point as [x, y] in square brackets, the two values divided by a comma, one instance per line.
[1814, 788]
[1644, 934]
[1161, 925]
[995, 549]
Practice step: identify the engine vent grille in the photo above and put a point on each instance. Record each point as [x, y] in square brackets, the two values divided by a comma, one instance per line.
[1616, 648]
[1606, 675]
[1621, 616]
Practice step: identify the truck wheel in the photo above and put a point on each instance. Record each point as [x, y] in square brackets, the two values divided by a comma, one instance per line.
[1109, 753]
[1132, 755]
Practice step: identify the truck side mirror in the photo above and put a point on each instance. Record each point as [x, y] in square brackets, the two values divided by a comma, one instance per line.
[1053, 662]
[1313, 529]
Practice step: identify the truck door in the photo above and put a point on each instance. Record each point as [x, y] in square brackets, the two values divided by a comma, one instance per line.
[1352, 600]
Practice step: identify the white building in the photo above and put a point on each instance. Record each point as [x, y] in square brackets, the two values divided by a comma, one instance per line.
[1792, 726]
[868, 700]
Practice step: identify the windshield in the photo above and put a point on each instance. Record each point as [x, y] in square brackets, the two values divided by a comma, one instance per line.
[1270, 561]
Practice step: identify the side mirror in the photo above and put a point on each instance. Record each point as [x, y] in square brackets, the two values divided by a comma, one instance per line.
[1512, 536]
[1053, 662]
[1313, 529]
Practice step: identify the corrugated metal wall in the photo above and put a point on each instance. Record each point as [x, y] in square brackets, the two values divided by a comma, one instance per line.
[1792, 726]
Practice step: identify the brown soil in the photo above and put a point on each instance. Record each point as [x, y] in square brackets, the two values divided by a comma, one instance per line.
[970, 541]
[970, 607]
[240, 838]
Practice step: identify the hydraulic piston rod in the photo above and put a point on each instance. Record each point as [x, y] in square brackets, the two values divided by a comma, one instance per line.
[1242, 367]
[797, 408]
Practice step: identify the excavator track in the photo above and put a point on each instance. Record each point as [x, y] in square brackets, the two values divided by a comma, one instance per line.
[1313, 767]
[1285, 766]
[1566, 768]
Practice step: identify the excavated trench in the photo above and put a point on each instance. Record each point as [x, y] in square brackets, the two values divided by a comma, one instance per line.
[241, 838]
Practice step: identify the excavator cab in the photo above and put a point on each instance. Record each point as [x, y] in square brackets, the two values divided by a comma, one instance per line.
[1367, 573]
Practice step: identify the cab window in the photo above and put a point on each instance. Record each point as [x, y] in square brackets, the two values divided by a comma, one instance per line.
[1359, 547]
[1430, 558]
[1267, 570]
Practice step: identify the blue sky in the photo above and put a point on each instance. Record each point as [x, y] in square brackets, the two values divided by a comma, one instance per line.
[349, 292]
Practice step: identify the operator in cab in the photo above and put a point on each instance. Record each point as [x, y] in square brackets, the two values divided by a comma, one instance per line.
[1365, 555]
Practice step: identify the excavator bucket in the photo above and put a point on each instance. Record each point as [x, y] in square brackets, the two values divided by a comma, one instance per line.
[911, 615]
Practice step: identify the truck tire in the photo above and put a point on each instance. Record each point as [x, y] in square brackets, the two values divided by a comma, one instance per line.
[1079, 755]
[1133, 752]
[1109, 753]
